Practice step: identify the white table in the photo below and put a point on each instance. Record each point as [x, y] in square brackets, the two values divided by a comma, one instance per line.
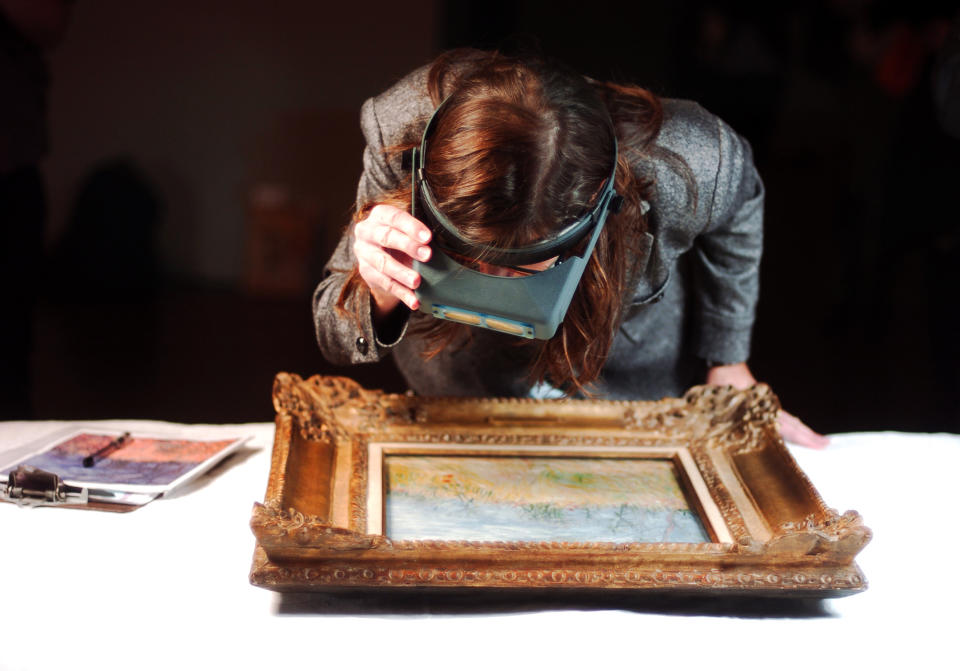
[166, 586]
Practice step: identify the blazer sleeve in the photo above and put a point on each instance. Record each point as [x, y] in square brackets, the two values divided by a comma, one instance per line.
[348, 336]
[727, 254]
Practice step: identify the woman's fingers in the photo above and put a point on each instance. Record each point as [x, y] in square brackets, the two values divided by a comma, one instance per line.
[385, 244]
[392, 228]
[795, 431]
[385, 264]
[386, 275]
[386, 290]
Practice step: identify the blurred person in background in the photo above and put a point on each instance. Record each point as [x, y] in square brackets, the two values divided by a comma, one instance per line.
[27, 29]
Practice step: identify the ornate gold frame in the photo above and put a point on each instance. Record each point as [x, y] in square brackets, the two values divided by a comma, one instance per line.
[320, 526]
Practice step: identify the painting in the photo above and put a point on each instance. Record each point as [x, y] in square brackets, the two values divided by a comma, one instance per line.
[369, 490]
[537, 499]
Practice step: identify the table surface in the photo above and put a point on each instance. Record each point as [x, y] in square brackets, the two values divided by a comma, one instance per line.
[167, 585]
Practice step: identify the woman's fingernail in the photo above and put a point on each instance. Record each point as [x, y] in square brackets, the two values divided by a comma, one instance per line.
[423, 253]
[424, 236]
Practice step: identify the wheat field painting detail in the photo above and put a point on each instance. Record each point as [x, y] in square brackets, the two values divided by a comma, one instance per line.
[537, 499]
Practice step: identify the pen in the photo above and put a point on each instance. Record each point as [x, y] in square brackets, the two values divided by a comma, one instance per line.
[108, 449]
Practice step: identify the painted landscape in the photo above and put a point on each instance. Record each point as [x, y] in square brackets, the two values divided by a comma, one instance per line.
[537, 499]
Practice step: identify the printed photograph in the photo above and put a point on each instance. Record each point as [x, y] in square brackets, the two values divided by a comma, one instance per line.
[139, 461]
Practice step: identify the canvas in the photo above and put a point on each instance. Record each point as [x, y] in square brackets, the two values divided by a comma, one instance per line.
[537, 499]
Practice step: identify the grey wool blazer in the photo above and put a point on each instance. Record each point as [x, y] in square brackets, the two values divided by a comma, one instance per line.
[693, 301]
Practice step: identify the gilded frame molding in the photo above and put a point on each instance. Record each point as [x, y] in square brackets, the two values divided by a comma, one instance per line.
[319, 529]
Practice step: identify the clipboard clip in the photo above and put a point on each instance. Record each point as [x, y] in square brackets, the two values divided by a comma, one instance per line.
[29, 487]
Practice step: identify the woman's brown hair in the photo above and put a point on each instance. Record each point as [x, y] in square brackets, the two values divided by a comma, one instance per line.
[521, 148]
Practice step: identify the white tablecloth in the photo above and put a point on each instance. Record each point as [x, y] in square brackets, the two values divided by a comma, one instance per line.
[166, 586]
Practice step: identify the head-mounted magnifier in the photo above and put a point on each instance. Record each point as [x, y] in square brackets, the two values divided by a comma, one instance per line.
[529, 306]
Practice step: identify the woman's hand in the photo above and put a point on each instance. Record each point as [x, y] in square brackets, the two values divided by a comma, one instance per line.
[385, 244]
[792, 429]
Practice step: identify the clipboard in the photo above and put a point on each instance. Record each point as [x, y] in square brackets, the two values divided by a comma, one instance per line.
[30, 487]
[79, 467]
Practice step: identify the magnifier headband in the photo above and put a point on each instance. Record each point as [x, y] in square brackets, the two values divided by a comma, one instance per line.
[451, 239]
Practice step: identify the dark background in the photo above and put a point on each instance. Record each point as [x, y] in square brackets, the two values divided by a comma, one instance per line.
[225, 140]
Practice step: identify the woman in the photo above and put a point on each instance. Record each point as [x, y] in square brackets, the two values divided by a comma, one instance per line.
[519, 149]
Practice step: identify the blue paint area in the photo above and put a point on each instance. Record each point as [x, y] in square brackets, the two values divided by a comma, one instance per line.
[415, 517]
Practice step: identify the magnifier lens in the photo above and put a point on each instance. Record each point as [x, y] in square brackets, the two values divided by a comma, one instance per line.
[489, 321]
[471, 318]
[512, 328]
